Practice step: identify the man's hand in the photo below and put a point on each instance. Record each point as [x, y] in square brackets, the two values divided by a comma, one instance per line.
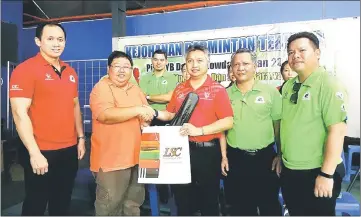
[144, 124]
[277, 164]
[190, 130]
[145, 112]
[81, 149]
[224, 166]
[39, 163]
[323, 187]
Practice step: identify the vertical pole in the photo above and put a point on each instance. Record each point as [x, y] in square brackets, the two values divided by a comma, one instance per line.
[118, 20]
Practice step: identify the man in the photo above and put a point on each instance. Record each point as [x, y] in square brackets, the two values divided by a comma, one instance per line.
[158, 85]
[45, 106]
[212, 115]
[286, 73]
[252, 185]
[133, 79]
[313, 127]
[118, 115]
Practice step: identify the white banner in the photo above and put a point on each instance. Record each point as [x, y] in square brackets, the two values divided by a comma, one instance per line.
[164, 156]
[339, 44]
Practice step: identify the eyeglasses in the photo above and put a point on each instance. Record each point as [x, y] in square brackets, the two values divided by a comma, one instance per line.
[125, 68]
[294, 96]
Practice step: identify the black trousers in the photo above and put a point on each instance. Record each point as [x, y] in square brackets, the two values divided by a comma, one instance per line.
[298, 193]
[54, 187]
[203, 193]
[251, 185]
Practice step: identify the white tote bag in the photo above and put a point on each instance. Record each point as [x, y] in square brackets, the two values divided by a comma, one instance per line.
[164, 156]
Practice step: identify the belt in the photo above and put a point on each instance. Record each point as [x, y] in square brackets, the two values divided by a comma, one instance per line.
[253, 152]
[211, 143]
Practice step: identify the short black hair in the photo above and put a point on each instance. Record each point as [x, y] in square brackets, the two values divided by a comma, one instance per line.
[283, 66]
[183, 65]
[159, 51]
[309, 35]
[40, 28]
[118, 54]
[245, 50]
[200, 48]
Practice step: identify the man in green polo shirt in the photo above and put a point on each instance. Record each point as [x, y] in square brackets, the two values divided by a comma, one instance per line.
[158, 86]
[313, 127]
[251, 184]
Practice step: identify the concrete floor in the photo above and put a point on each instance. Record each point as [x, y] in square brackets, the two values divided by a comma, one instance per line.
[12, 194]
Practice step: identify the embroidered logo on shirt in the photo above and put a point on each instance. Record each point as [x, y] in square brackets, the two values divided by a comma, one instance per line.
[259, 99]
[72, 79]
[164, 82]
[307, 96]
[15, 87]
[206, 95]
[48, 77]
[339, 95]
[181, 96]
[343, 108]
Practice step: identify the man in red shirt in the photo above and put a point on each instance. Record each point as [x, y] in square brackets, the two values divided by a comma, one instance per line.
[212, 116]
[45, 106]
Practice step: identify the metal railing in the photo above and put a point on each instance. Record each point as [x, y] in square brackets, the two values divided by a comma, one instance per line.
[10, 124]
[89, 73]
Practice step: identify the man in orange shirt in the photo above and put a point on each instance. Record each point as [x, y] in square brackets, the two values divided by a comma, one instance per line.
[45, 106]
[212, 116]
[118, 114]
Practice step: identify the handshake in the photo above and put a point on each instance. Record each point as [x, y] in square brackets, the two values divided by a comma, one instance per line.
[145, 112]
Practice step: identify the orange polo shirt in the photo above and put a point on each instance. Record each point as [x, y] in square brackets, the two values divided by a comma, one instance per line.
[52, 108]
[213, 104]
[114, 146]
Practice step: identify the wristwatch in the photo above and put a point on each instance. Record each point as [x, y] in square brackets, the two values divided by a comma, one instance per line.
[81, 137]
[156, 113]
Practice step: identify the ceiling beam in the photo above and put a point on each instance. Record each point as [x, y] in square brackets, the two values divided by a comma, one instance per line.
[40, 9]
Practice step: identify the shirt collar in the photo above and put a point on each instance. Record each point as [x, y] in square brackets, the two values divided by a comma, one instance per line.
[42, 61]
[312, 78]
[207, 83]
[256, 87]
[165, 74]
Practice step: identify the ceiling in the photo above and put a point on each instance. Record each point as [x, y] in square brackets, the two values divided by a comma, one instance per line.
[58, 9]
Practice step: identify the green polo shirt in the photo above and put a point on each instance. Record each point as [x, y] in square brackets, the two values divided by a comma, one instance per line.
[152, 85]
[254, 113]
[322, 102]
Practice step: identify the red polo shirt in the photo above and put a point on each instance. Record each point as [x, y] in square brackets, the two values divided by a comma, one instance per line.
[52, 108]
[213, 104]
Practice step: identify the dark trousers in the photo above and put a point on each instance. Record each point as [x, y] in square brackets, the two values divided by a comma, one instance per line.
[203, 192]
[54, 187]
[251, 185]
[298, 193]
